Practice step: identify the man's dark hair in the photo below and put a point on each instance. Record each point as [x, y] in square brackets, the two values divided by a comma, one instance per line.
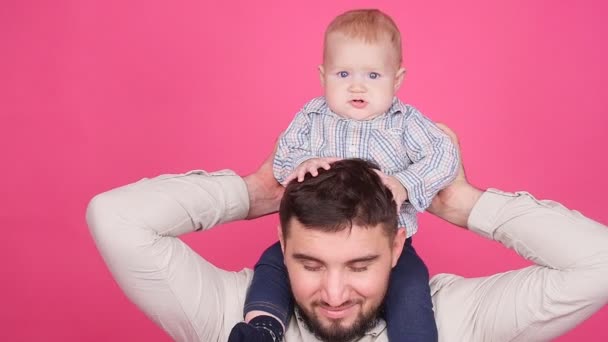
[349, 193]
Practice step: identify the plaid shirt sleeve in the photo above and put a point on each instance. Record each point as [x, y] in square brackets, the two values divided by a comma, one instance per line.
[435, 160]
[294, 147]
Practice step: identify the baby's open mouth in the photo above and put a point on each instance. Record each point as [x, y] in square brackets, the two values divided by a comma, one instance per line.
[358, 103]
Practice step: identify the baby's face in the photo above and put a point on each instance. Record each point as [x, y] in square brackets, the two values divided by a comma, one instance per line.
[360, 78]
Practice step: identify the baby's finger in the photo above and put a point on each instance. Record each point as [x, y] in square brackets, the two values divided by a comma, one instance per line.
[399, 202]
[380, 173]
[291, 177]
[301, 174]
[330, 160]
[385, 180]
[325, 165]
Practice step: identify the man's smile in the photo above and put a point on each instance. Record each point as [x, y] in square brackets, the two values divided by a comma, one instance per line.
[337, 312]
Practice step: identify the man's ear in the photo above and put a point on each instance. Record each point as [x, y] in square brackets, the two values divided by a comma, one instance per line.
[397, 247]
[281, 239]
[399, 78]
[322, 75]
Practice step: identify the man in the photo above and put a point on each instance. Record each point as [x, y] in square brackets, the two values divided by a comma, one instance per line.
[135, 228]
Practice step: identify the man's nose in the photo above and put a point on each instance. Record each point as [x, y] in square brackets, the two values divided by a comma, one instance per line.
[335, 288]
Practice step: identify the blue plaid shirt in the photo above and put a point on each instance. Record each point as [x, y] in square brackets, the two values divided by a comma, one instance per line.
[403, 142]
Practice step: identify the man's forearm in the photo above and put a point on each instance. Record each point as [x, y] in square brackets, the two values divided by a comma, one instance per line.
[536, 303]
[264, 191]
[455, 203]
[134, 228]
[570, 280]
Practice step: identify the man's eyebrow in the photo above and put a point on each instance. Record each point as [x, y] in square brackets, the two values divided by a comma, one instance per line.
[364, 259]
[304, 257]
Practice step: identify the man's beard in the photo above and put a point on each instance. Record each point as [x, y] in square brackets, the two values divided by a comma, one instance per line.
[335, 332]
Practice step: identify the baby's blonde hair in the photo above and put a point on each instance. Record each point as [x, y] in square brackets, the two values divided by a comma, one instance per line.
[370, 25]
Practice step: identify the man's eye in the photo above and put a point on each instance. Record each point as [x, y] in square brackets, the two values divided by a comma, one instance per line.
[343, 74]
[374, 75]
[359, 269]
[312, 268]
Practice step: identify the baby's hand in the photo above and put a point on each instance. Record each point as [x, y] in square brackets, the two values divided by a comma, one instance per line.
[310, 166]
[395, 186]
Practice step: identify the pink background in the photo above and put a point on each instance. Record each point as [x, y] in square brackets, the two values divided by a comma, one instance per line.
[97, 94]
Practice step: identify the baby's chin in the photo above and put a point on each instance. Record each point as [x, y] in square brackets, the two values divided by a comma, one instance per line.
[357, 111]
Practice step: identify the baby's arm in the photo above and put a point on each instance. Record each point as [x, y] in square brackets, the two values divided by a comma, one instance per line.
[435, 160]
[293, 148]
[394, 185]
[294, 157]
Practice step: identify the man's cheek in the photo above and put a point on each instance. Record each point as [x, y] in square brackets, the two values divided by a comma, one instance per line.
[371, 284]
[303, 284]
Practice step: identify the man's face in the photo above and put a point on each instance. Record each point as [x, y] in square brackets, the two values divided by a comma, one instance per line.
[339, 279]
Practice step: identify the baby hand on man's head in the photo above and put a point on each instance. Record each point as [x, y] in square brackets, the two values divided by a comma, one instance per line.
[395, 186]
[311, 166]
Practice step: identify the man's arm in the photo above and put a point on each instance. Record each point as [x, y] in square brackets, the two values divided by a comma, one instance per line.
[539, 303]
[136, 229]
[264, 190]
[455, 202]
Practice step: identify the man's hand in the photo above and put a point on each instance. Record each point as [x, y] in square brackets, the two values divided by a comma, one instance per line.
[311, 166]
[395, 186]
[265, 192]
[455, 202]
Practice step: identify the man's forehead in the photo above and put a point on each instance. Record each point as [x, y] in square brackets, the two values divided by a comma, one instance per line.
[350, 242]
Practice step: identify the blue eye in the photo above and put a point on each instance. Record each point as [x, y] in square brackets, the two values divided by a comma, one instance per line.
[343, 74]
[374, 75]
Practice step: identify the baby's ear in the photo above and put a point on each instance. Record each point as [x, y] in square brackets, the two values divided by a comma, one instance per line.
[399, 78]
[322, 75]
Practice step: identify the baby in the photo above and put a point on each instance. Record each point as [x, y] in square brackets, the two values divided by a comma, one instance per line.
[360, 117]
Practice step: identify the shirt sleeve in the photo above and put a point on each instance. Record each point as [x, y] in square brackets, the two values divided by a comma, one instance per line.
[435, 159]
[535, 303]
[294, 147]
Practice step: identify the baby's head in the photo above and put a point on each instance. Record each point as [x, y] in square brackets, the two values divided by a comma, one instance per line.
[361, 70]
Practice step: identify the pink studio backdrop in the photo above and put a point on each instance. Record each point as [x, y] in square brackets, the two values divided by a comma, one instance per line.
[98, 94]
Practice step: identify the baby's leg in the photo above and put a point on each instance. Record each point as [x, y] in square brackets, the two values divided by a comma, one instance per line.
[408, 306]
[269, 302]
